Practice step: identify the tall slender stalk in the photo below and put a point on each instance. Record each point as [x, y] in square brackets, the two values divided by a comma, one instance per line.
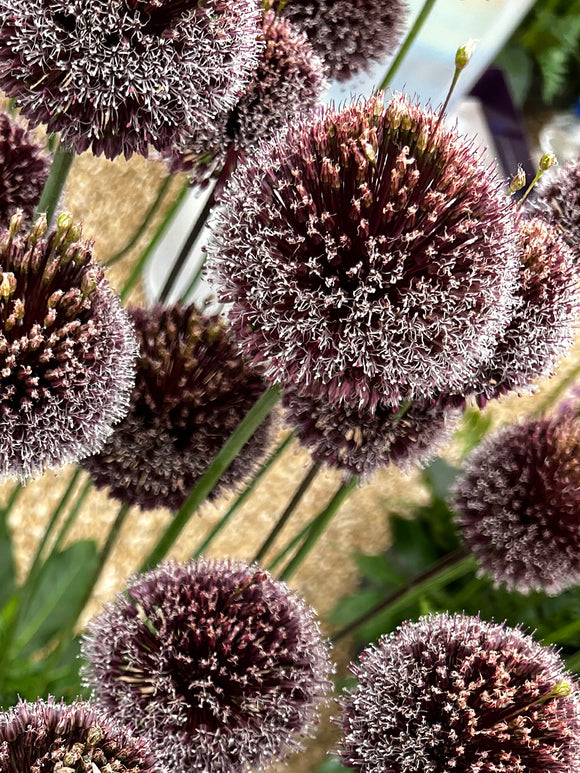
[71, 518]
[53, 187]
[12, 499]
[441, 573]
[284, 518]
[200, 550]
[237, 440]
[319, 526]
[406, 45]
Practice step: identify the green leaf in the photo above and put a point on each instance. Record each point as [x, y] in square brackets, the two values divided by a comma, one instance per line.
[439, 476]
[7, 573]
[63, 583]
[413, 549]
[518, 67]
[554, 66]
[379, 570]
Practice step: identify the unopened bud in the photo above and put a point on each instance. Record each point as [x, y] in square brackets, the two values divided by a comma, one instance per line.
[16, 222]
[464, 54]
[518, 181]
[39, 228]
[548, 160]
[64, 222]
[7, 285]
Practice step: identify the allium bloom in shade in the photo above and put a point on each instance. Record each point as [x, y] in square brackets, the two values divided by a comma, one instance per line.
[24, 169]
[191, 392]
[519, 503]
[558, 198]
[369, 256]
[361, 441]
[48, 736]
[348, 34]
[289, 80]
[67, 349]
[221, 665]
[544, 321]
[119, 75]
[456, 693]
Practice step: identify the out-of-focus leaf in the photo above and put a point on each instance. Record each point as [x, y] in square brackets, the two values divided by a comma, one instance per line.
[7, 573]
[518, 68]
[331, 765]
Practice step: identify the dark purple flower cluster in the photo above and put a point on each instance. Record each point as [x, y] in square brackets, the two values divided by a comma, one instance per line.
[288, 81]
[120, 75]
[558, 199]
[456, 693]
[67, 349]
[191, 392]
[348, 34]
[24, 165]
[222, 666]
[50, 737]
[518, 504]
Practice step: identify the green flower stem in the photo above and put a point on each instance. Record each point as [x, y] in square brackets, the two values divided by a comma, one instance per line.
[242, 497]
[554, 396]
[451, 567]
[51, 193]
[71, 518]
[411, 35]
[319, 525]
[193, 236]
[564, 632]
[232, 447]
[12, 499]
[289, 547]
[138, 267]
[151, 212]
[284, 518]
[573, 662]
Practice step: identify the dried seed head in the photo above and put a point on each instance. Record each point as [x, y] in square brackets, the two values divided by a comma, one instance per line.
[458, 693]
[221, 665]
[369, 257]
[191, 392]
[518, 505]
[120, 75]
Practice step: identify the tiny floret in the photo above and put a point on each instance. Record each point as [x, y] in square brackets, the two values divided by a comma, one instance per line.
[221, 665]
[456, 693]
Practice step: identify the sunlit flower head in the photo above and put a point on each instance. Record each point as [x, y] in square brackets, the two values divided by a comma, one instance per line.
[456, 693]
[369, 256]
[120, 75]
[518, 504]
[191, 391]
[224, 667]
[67, 349]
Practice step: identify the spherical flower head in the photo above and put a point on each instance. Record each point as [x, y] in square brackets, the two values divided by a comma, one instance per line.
[192, 389]
[289, 80]
[223, 666]
[369, 256]
[557, 197]
[24, 169]
[67, 349]
[361, 441]
[349, 35]
[120, 75]
[452, 692]
[518, 503]
[543, 324]
[50, 737]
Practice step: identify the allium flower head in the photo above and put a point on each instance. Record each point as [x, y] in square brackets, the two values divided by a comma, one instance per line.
[518, 504]
[24, 165]
[557, 197]
[221, 665]
[288, 80]
[119, 75]
[544, 321]
[51, 737]
[67, 349]
[456, 693]
[191, 392]
[369, 256]
[348, 34]
[361, 441]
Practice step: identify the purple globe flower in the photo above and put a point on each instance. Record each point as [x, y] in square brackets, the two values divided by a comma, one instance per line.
[518, 504]
[24, 169]
[558, 199]
[544, 321]
[361, 441]
[120, 75]
[221, 665]
[67, 349]
[348, 34]
[369, 257]
[46, 736]
[191, 391]
[288, 80]
[456, 693]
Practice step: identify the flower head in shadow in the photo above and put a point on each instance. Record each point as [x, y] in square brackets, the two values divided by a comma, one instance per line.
[557, 197]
